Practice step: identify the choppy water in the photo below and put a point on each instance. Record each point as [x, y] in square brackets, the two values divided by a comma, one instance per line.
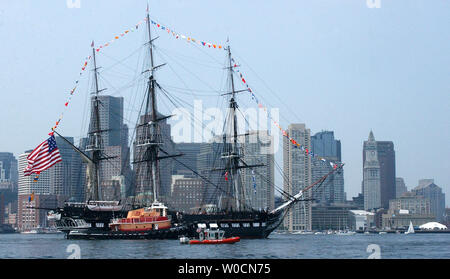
[277, 246]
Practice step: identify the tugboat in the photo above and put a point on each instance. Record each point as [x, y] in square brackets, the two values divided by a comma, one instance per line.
[143, 223]
[143, 220]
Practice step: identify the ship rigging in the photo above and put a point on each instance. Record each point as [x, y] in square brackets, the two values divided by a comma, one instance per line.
[232, 214]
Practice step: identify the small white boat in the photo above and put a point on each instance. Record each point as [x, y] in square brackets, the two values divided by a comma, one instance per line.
[29, 232]
[410, 228]
[345, 233]
[303, 232]
[382, 233]
[184, 239]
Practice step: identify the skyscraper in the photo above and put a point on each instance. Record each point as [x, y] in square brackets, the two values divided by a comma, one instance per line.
[114, 137]
[297, 170]
[371, 174]
[65, 177]
[324, 144]
[431, 191]
[386, 157]
[400, 187]
[332, 189]
[259, 181]
[9, 169]
[209, 159]
[29, 218]
[27, 185]
[142, 167]
[190, 151]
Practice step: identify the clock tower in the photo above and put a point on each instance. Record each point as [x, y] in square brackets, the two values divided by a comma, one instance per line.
[371, 174]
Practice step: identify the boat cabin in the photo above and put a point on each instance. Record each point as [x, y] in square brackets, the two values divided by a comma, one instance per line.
[209, 234]
[157, 209]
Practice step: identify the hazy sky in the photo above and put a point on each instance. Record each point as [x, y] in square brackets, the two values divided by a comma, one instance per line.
[334, 65]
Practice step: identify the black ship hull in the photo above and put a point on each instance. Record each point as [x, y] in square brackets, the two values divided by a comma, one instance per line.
[246, 225]
[80, 216]
[94, 234]
[81, 223]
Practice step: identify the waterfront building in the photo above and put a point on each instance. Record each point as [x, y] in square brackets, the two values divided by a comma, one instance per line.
[400, 187]
[259, 182]
[408, 207]
[12, 220]
[361, 220]
[410, 203]
[428, 189]
[297, 172]
[30, 218]
[2, 209]
[331, 217]
[332, 189]
[403, 219]
[447, 217]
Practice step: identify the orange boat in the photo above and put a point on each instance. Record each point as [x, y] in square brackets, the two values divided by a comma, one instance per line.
[210, 237]
[143, 219]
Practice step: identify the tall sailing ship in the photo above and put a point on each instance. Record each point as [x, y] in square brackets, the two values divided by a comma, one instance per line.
[150, 218]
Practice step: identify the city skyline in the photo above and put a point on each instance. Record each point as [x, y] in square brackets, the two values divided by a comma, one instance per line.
[397, 87]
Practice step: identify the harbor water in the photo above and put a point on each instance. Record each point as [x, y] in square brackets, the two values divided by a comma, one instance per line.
[277, 246]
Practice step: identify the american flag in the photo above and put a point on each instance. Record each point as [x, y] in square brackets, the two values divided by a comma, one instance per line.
[43, 157]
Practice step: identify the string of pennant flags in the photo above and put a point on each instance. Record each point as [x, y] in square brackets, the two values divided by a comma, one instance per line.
[117, 37]
[85, 64]
[283, 132]
[188, 39]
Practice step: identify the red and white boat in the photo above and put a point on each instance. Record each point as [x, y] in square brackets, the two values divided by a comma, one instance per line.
[208, 236]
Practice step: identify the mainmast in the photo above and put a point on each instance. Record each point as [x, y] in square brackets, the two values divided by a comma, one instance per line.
[149, 140]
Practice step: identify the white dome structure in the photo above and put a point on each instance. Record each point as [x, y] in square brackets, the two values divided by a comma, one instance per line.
[433, 226]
